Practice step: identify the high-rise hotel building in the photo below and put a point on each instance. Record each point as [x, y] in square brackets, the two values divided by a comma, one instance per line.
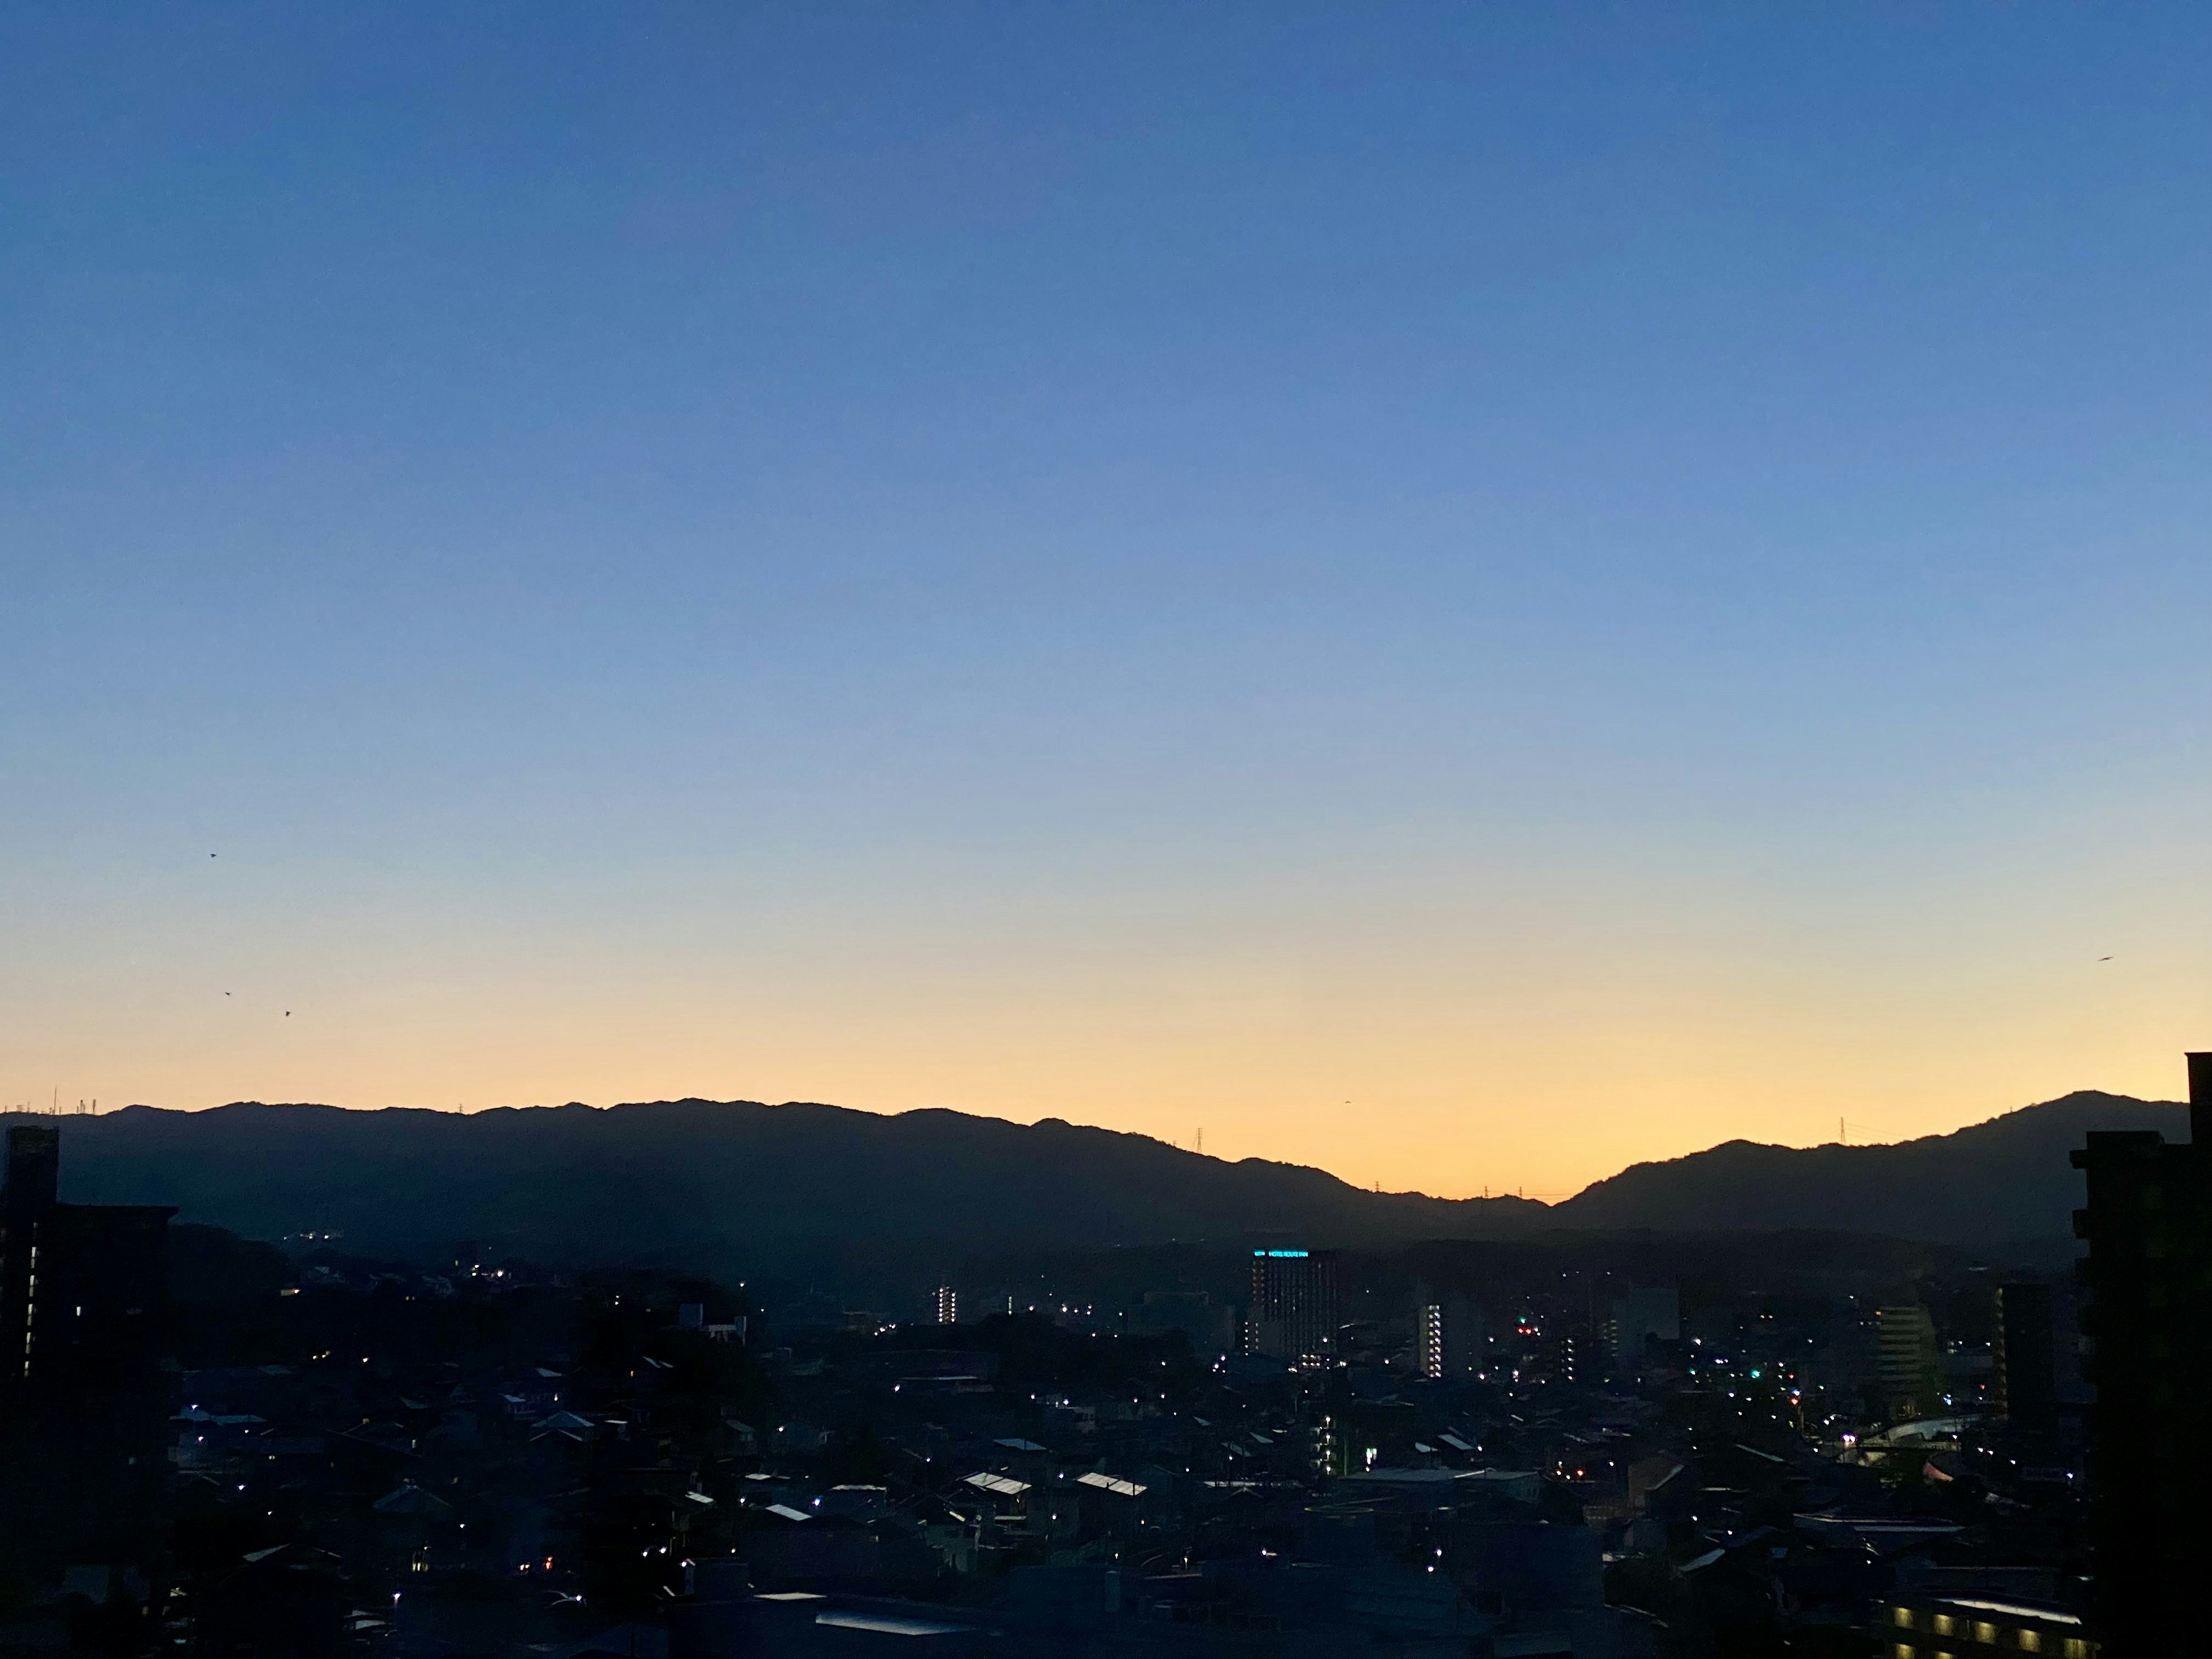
[1293, 1313]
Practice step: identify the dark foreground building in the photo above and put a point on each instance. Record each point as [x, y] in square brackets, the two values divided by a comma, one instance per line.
[2148, 1273]
[83, 1408]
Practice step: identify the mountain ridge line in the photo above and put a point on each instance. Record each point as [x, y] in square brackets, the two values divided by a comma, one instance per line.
[747, 1179]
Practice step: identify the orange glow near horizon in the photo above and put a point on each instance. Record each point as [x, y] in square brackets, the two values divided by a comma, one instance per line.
[1443, 1037]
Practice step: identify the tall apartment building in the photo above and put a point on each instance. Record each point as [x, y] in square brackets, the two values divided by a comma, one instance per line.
[1448, 1334]
[1208, 1325]
[2024, 1381]
[948, 1305]
[1911, 1364]
[1293, 1313]
[1429, 1340]
[83, 1407]
[2149, 1275]
[1646, 1313]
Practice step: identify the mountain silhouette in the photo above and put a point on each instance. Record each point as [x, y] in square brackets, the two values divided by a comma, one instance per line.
[715, 1181]
[1993, 1183]
[740, 1182]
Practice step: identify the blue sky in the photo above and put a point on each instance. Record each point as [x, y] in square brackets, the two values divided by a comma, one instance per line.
[1585, 578]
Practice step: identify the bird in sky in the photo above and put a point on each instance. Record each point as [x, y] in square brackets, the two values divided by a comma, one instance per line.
[2104, 958]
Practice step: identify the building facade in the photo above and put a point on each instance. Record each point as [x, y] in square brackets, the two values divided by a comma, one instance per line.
[2023, 1375]
[1957, 1626]
[1293, 1313]
[1648, 1314]
[2149, 1277]
[1911, 1363]
[83, 1404]
[1449, 1334]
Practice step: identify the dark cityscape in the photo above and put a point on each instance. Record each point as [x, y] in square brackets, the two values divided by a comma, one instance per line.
[1601, 1444]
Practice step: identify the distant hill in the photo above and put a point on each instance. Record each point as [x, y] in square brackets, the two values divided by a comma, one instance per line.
[721, 1182]
[737, 1183]
[2003, 1182]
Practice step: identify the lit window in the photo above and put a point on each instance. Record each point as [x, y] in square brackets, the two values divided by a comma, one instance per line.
[1943, 1623]
[1901, 1617]
[1901, 1650]
[2030, 1641]
[1985, 1633]
[2077, 1647]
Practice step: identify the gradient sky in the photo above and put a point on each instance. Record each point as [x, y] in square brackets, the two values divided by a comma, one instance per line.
[1467, 595]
